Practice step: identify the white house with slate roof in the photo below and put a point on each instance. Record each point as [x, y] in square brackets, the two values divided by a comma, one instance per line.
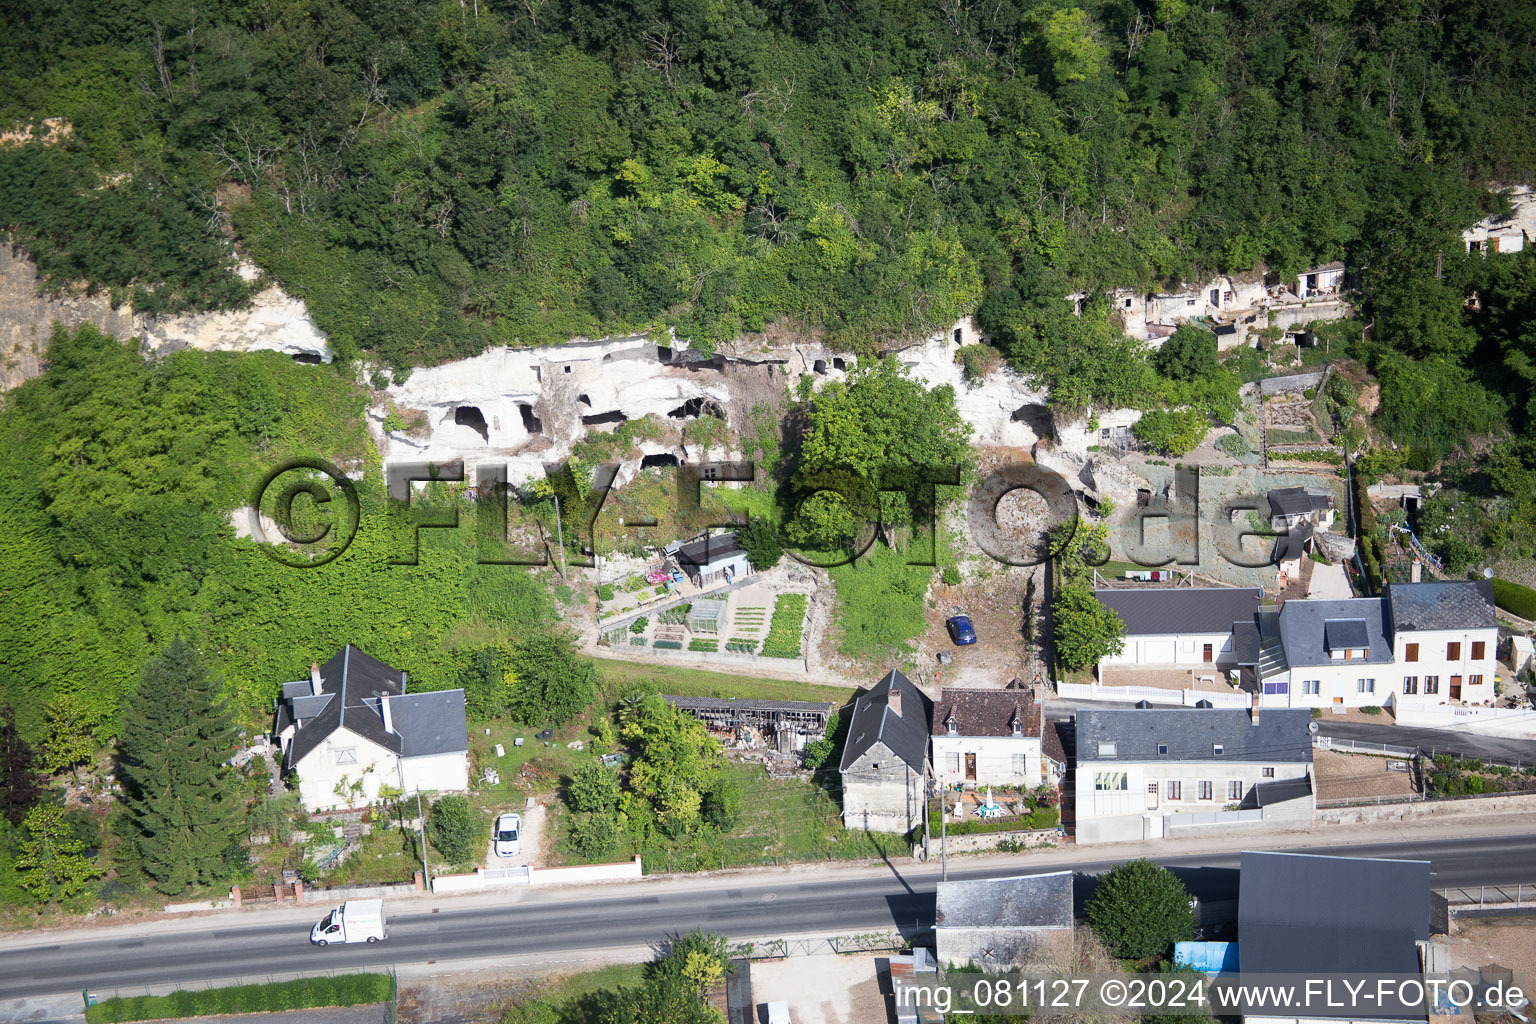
[1002, 924]
[1141, 770]
[1185, 627]
[994, 738]
[885, 760]
[1431, 643]
[351, 728]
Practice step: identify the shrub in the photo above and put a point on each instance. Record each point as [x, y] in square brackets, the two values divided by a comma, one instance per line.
[760, 540]
[1234, 445]
[638, 626]
[951, 576]
[1140, 909]
[1514, 598]
[1172, 433]
[605, 592]
[1370, 709]
[976, 361]
[455, 830]
[1309, 394]
[301, 993]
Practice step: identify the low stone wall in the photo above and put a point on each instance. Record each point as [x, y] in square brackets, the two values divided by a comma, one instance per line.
[341, 894]
[1030, 839]
[1467, 806]
[586, 873]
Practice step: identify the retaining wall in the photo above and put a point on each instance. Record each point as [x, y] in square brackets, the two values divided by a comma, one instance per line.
[1365, 815]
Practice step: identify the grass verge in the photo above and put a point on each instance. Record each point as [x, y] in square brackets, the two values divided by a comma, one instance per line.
[299, 994]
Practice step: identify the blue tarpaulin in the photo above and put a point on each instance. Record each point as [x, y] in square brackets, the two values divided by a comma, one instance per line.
[1210, 957]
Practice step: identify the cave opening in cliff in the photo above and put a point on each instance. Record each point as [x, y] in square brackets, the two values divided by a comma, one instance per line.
[696, 407]
[531, 423]
[470, 416]
[308, 358]
[1036, 417]
[663, 354]
[660, 461]
[604, 418]
[819, 367]
[585, 400]
[839, 363]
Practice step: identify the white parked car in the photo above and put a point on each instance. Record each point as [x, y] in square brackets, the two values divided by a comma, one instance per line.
[509, 835]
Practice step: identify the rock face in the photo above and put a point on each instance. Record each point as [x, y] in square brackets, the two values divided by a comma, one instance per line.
[27, 318]
[1004, 409]
[274, 321]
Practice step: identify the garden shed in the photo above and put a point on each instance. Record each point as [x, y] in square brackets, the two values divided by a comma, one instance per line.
[708, 615]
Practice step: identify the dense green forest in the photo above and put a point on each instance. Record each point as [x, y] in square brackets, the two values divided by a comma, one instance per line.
[116, 477]
[434, 178]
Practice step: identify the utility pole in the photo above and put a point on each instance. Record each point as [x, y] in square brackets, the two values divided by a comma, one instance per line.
[426, 876]
[560, 535]
[943, 840]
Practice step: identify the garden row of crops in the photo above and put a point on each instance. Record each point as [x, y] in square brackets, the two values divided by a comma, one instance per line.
[786, 628]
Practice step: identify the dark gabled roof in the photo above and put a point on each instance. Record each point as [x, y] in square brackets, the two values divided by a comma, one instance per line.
[1345, 634]
[707, 551]
[1165, 611]
[430, 723]
[1023, 901]
[747, 704]
[1292, 544]
[352, 684]
[296, 689]
[986, 712]
[1462, 605]
[1191, 734]
[1246, 642]
[1306, 914]
[1303, 623]
[1051, 745]
[1297, 501]
[873, 721]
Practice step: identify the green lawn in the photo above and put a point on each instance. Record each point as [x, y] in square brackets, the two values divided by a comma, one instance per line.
[693, 682]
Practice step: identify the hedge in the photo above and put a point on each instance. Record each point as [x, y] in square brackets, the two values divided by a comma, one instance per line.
[668, 645]
[299, 994]
[1514, 598]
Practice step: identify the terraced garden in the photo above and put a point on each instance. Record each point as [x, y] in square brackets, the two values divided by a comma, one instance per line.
[787, 628]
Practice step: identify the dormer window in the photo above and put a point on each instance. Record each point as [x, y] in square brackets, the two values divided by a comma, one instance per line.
[952, 725]
[1107, 750]
[1216, 749]
[1162, 748]
[1018, 725]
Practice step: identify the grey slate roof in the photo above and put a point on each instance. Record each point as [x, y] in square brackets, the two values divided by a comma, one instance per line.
[707, 551]
[1345, 634]
[873, 722]
[1297, 501]
[1306, 914]
[1023, 901]
[352, 684]
[1246, 642]
[1191, 734]
[1166, 611]
[430, 723]
[1303, 623]
[1463, 605]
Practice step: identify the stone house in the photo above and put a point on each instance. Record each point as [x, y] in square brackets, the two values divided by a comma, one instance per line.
[885, 771]
[351, 728]
[1002, 924]
[993, 738]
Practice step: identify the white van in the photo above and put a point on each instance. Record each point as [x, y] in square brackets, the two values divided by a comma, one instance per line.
[353, 921]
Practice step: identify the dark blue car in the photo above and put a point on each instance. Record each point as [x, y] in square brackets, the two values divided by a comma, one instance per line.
[960, 630]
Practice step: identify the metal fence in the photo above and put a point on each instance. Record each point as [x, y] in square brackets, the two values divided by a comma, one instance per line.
[1490, 897]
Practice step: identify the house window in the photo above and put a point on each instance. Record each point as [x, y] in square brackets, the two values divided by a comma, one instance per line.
[1127, 303]
[1365, 686]
[1431, 684]
[1282, 686]
[1175, 790]
[1110, 781]
[1311, 687]
[1453, 651]
[1234, 790]
[1207, 790]
[1106, 750]
[1217, 748]
[1349, 655]
[952, 763]
[1162, 748]
[1411, 653]
[347, 756]
[1020, 765]
[1479, 650]
[1410, 685]
[1189, 302]
[1474, 680]
[1269, 773]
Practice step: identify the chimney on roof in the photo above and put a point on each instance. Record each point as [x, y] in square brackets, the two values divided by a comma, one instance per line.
[314, 679]
[389, 725]
[1253, 711]
[895, 700]
[1417, 572]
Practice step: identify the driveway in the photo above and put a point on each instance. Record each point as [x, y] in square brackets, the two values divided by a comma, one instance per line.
[532, 844]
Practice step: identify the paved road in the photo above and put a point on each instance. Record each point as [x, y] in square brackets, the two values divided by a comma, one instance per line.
[1457, 741]
[630, 916]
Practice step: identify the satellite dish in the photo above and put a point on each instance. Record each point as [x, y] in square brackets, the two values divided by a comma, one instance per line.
[1312, 728]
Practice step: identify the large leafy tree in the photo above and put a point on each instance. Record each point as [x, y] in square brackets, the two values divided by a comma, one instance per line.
[187, 806]
[554, 684]
[54, 868]
[1140, 909]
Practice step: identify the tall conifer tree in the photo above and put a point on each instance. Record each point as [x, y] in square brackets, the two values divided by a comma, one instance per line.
[187, 808]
